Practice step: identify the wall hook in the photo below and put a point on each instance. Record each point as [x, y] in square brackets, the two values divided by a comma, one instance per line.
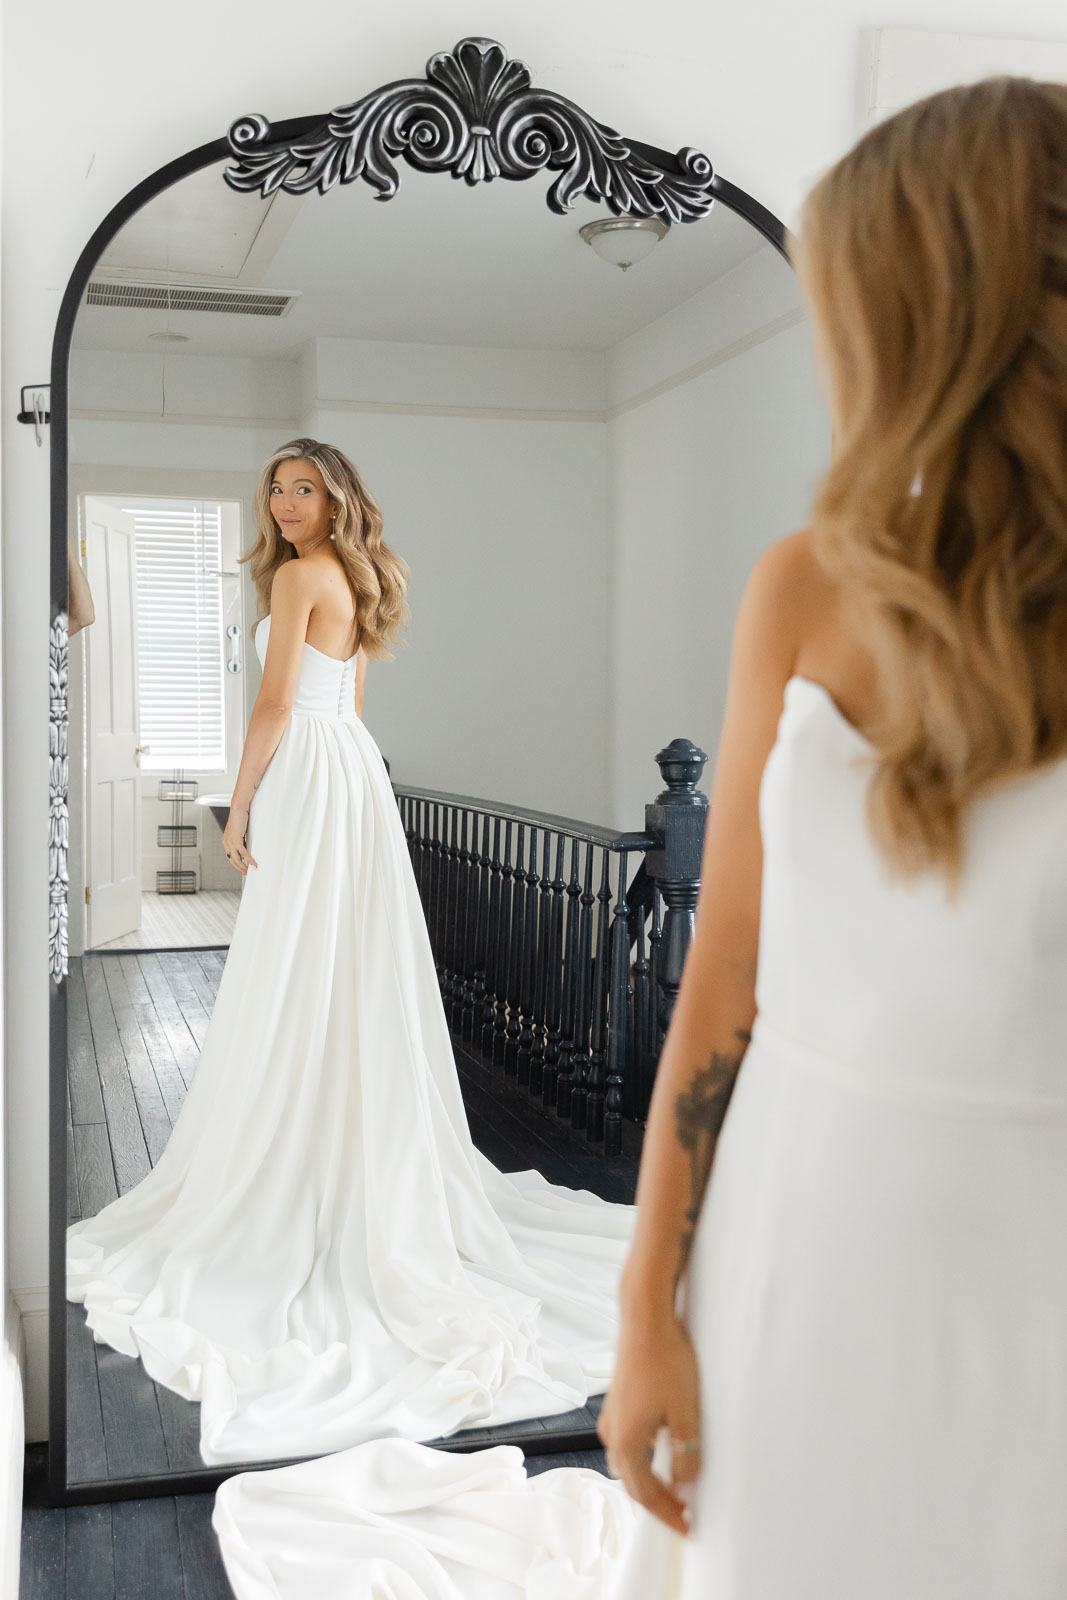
[37, 411]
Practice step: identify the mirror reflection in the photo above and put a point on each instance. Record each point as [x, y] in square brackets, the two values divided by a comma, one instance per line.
[380, 515]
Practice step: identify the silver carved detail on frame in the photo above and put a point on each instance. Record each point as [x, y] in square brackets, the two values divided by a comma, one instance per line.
[58, 813]
[477, 116]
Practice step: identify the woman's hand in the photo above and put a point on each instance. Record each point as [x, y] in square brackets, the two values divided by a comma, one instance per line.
[233, 840]
[656, 1385]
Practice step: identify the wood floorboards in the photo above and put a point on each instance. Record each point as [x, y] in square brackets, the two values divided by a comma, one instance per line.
[137, 1022]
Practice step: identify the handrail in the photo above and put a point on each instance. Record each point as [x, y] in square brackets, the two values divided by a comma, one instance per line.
[535, 963]
[588, 832]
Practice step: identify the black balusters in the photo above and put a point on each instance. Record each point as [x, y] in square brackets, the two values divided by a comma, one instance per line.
[594, 1102]
[528, 973]
[442, 892]
[636, 1082]
[481, 921]
[655, 961]
[507, 892]
[584, 1004]
[515, 964]
[444, 865]
[565, 1081]
[422, 813]
[451, 983]
[541, 974]
[431, 884]
[553, 968]
[494, 972]
[462, 1001]
[409, 812]
[623, 1016]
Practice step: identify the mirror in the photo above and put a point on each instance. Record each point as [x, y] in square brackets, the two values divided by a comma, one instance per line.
[579, 462]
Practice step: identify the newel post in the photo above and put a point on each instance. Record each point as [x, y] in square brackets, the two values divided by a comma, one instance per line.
[677, 819]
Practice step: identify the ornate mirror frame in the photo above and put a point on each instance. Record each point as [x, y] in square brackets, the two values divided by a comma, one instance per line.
[476, 116]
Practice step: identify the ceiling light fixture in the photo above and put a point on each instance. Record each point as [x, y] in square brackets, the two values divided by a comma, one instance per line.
[170, 338]
[624, 240]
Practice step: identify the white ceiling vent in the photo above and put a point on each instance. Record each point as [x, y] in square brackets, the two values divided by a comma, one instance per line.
[189, 297]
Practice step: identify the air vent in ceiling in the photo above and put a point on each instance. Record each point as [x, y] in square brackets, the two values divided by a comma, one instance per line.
[189, 297]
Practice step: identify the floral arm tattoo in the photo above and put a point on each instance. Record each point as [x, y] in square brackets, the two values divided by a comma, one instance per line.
[698, 1116]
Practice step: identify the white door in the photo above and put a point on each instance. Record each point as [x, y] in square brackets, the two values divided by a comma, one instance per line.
[113, 776]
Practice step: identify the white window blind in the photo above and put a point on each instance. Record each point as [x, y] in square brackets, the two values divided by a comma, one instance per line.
[179, 632]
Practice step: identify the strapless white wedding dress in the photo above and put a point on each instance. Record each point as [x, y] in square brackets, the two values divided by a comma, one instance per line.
[321, 1256]
[878, 1285]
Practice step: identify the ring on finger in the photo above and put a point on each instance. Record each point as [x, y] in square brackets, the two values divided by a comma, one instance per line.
[685, 1447]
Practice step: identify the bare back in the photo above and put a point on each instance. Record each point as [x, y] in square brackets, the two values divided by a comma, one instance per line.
[332, 626]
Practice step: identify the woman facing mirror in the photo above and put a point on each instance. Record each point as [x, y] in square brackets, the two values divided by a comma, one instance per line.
[321, 1255]
[861, 1386]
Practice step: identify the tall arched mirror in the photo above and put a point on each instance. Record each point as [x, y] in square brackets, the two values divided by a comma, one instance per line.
[581, 420]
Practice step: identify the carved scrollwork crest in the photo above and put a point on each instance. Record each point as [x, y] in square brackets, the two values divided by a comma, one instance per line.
[58, 816]
[477, 116]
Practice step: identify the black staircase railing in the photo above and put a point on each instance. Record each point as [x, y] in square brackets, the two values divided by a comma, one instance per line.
[556, 967]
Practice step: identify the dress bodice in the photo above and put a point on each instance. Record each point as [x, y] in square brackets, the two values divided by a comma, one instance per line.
[325, 686]
[887, 979]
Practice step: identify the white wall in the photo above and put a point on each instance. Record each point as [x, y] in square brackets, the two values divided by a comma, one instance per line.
[774, 91]
[490, 470]
[232, 390]
[717, 438]
[501, 689]
[12, 1350]
[490, 489]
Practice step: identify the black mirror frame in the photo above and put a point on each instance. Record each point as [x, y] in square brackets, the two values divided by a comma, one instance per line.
[477, 117]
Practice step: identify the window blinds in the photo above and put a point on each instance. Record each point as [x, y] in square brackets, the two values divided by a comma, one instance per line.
[179, 632]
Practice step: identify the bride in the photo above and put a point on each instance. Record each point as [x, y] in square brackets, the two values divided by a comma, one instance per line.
[321, 1256]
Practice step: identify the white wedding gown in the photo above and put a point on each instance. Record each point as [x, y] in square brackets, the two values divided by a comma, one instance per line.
[878, 1286]
[390, 1520]
[321, 1256]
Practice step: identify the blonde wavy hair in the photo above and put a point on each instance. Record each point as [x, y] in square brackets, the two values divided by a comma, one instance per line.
[376, 574]
[934, 259]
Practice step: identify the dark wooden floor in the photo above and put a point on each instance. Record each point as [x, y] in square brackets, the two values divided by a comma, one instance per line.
[136, 1027]
[161, 1549]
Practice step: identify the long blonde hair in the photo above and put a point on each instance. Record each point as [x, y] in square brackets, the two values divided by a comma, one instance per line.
[934, 258]
[377, 575]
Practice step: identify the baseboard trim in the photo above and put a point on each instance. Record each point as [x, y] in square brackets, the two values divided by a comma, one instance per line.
[12, 1445]
[32, 1305]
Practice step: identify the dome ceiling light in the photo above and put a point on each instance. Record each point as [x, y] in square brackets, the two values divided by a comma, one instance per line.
[624, 240]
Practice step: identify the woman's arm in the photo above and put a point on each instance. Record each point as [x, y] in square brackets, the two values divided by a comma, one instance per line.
[292, 596]
[655, 1375]
[80, 608]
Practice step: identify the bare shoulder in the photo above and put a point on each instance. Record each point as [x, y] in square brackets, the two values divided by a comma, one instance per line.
[817, 622]
[323, 577]
[292, 581]
[789, 573]
[786, 603]
[786, 594]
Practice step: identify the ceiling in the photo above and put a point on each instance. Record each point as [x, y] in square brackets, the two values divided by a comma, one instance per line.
[441, 263]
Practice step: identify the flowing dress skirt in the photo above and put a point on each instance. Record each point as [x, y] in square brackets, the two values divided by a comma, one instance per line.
[321, 1256]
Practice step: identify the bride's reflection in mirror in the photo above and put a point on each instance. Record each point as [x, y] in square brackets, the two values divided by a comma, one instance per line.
[320, 1255]
[281, 1215]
